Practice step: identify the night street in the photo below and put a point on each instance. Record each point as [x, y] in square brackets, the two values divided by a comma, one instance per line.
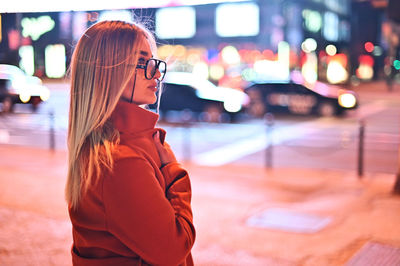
[271, 135]
[307, 142]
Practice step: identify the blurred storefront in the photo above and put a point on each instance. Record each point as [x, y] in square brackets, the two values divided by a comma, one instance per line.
[231, 44]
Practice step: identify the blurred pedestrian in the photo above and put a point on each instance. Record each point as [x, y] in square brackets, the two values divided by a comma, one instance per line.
[128, 197]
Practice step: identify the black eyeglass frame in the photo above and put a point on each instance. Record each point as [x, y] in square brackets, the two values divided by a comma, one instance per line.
[150, 75]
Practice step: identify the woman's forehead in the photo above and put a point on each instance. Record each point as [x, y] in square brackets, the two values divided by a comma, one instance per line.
[144, 49]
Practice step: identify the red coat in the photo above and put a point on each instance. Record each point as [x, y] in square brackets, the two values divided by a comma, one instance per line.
[137, 214]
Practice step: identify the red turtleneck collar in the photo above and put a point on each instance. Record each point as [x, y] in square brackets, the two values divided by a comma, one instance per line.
[131, 118]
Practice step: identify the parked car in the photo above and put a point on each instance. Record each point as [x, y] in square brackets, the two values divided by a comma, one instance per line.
[18, 87]
[207, 102]
[321, 99]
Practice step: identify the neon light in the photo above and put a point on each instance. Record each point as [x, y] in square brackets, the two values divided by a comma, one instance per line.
[336, 73]
[237, 20]
[331, 26]
[396, 64]
[230, 55]
[200, 70]
[284, 58]
[27, 62]
[216, 72]
[369, 47]
[36, 27]
[79, 5]
[309, 68]
[123, 15]
[1, 33]
[182, 18]
[55, 60]
[330, 49]
[309, 45]
[377, 51]
[312, 20]
[267, 70]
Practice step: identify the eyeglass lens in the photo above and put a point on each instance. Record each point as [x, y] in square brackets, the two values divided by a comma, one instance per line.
[152, 66]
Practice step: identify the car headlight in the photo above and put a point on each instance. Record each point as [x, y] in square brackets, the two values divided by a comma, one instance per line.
[232, 106]
[24, 96]
[45, 94]
[347, 100]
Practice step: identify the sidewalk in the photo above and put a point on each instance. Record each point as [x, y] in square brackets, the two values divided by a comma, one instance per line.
[243, 215]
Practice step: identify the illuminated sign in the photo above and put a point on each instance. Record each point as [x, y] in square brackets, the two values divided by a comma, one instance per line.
[36, 27]
[331, 26]
[232, 20]
[274, 70]
[123, 15]
[365, 70]
[27, 62]
[312, 20]
[182, 18]
[1, 34]
[79, 5]
[55, 64]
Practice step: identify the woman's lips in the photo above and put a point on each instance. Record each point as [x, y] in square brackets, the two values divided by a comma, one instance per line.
[153, 88]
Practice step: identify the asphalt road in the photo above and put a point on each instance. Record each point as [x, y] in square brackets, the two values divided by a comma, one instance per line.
[309, 142]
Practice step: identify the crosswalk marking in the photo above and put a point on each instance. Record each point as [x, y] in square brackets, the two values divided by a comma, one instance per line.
[244, 147]
[234, 151]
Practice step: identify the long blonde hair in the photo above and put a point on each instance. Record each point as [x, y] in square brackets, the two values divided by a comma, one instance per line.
[101, 67]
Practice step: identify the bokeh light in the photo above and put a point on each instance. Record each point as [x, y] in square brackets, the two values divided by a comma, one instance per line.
[230, 55]
[309, 45]
[396, 64]
[331, 49]
[201, 70]
[216, 72]
[369, 47]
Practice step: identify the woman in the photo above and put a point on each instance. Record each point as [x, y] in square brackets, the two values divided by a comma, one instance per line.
[129, 200]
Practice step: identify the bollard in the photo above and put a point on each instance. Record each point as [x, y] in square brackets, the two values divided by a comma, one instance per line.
[186, 116]
[360, 161]
[52, 141]
[269, 118]
[396, 188]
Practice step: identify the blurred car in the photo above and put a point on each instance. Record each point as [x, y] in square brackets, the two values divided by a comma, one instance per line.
[18, 87]
[207, 102]
[320, 99]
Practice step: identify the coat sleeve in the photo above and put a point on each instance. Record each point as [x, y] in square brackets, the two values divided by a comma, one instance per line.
[156, 225]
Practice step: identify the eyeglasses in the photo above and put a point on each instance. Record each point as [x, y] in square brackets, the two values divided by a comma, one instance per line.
[151, 66]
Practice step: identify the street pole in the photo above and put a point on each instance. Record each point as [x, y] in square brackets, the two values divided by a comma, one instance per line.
[186, 117]
[269, 119]
[52, 140]
[396, 188]
[360, 162]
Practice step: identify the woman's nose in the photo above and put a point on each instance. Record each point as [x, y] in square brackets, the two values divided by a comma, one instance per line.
[157, 75]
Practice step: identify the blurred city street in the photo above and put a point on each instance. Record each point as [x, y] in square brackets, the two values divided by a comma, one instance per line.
[285, 114]
[309, 208]
[295, 141]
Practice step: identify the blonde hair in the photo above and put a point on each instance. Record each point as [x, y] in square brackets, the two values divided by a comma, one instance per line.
[101, 67]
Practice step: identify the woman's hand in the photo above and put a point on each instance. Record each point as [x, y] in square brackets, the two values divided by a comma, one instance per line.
[164, 150]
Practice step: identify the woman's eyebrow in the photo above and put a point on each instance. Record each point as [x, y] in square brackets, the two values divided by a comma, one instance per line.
[144, 53]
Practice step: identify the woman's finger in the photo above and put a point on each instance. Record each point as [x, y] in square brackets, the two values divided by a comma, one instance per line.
[156, 138]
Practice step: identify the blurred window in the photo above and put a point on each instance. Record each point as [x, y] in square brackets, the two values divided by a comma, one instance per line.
[331, 26]
[312, 20]
[27, 62]
[232, 20]
[55, 65]
[176, 22]
[36, 27]
[123, 15]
